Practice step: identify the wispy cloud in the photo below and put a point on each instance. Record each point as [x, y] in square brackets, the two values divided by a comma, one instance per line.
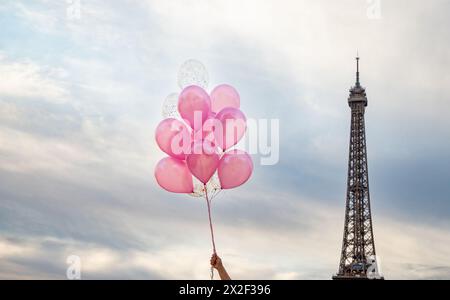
[28, 80]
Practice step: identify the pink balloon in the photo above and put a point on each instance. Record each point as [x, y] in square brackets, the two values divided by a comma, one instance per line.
[234, 169]
[207, 130]
[234, 125]
[224, 96]
[210, 129]
[173, 137]
[194, 106]
[173, 175]
[203, 161]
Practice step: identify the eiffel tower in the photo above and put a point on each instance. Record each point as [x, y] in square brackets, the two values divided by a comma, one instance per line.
[358, 256]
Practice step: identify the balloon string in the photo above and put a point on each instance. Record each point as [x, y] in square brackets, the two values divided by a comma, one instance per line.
[210, 227]
[210, 220]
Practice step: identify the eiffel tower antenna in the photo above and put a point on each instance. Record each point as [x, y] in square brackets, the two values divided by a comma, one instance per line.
[357, 69]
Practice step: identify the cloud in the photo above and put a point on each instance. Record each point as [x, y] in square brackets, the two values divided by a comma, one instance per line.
[46, 21]
[9, 249]
[248, 251]
[28, 80]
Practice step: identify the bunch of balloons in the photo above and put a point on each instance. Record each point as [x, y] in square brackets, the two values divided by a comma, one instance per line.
[199, 145]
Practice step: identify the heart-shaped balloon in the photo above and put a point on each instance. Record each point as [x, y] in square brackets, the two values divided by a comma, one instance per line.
[194, 106]
[174, 138]
[234, 125]
[224, 96]
[235, 168]
[174, 176]
[203, 161]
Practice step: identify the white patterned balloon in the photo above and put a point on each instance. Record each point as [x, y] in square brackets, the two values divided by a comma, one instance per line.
[170, 107]
[193, 72]
[213, 187]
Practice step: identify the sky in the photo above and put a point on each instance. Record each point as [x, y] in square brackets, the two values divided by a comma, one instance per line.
[82, 84]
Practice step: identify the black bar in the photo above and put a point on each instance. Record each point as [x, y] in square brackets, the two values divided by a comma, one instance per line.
[220, 289]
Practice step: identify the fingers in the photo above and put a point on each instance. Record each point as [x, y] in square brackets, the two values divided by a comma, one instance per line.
[213, 259]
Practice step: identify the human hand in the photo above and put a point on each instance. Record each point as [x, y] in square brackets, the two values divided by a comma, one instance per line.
[216, 262]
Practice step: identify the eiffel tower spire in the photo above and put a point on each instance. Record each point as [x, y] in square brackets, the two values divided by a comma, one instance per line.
[357, 70]
[358, 256]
